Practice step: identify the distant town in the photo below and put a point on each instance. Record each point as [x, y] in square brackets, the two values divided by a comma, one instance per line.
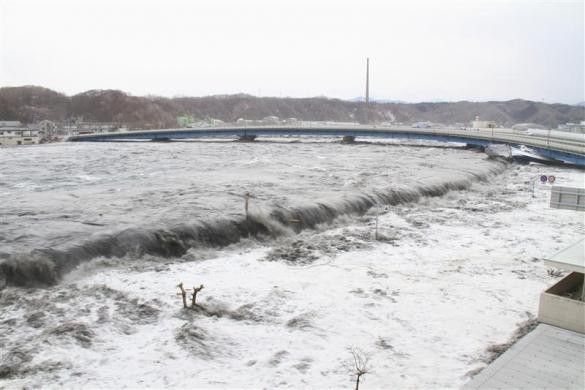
[33, 115]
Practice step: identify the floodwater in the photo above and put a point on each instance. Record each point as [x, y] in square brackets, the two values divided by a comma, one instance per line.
[57, 194]
[343, 245]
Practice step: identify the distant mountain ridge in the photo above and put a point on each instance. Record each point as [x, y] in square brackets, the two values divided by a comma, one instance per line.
[32, 104]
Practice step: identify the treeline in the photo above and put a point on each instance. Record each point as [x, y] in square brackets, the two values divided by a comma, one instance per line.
[30, 104]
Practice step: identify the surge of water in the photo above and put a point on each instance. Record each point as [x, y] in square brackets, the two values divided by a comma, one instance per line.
[308, 276]
[42, 267]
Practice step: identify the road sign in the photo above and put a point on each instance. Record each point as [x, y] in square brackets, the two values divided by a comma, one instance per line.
[551, 179]
[543, 178]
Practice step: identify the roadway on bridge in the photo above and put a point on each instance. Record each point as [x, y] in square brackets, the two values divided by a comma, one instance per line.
[562, 146]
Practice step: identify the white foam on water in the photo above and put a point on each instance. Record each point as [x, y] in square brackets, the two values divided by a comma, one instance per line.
[452, 275]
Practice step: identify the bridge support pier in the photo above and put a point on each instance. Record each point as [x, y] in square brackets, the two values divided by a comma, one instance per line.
[478, 147]
[348, 139]
[247, 138]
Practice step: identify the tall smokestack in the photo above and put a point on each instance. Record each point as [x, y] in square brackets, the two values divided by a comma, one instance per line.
[367, 81]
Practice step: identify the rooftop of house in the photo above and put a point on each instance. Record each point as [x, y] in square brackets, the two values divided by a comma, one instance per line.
[571, 258]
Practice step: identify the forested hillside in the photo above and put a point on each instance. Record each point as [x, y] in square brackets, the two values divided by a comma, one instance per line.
[32, 104]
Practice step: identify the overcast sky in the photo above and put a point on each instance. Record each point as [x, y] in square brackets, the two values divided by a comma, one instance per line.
[419, 50]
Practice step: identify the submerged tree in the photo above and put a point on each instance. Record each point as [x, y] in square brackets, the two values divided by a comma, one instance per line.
[183, 294]
[194, 295]
[360, 365]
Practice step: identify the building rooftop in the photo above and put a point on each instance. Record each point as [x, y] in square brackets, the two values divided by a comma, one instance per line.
[546, 358]
[569, 259]
[10, 124]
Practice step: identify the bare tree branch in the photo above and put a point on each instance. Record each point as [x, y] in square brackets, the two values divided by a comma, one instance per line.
[361, 365]
[194, 295]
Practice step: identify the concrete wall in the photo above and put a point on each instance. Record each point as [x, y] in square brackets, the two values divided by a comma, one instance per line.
[561, 306]
[569, 198]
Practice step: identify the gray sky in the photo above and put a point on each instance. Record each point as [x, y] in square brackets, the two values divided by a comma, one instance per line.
[419, 50]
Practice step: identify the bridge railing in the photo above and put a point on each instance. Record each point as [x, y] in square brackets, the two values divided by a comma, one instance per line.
[553, 140]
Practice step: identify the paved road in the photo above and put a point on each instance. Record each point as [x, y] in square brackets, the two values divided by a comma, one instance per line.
[543, 139]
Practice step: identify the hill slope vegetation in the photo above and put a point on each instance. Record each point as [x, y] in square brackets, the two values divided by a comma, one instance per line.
[32, 104]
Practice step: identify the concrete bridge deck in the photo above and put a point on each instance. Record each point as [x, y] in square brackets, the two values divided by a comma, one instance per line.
[566, 147]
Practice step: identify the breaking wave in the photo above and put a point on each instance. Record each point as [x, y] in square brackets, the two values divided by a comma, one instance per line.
[43, 267]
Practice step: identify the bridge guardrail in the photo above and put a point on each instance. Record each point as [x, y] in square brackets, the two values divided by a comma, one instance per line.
[553, 140]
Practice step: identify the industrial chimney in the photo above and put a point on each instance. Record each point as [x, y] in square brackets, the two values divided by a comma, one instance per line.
[367, 81]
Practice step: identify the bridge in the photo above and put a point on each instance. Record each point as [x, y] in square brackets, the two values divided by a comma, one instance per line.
[555, 145]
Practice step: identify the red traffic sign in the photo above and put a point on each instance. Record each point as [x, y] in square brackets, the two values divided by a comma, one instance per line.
[551, 179]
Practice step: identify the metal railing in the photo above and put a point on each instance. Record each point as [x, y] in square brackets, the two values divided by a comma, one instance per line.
[552, 140]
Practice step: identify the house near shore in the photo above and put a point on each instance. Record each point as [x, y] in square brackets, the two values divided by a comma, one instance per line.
[482, 124]
[15, 133]
[578, 128]
[551, 355]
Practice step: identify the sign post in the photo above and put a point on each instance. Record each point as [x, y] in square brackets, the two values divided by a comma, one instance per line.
[543, 180]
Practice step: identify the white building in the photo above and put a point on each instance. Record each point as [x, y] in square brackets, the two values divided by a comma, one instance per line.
[479, 124]
[14, 133]
[272, 120]
[573, 127]
[563, 304]
[422, 125]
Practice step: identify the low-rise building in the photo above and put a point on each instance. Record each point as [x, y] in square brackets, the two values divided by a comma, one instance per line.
[422, 125]
[481, 124]
[573, 127]
[563, 304]
[272, 120]
[15, 133]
